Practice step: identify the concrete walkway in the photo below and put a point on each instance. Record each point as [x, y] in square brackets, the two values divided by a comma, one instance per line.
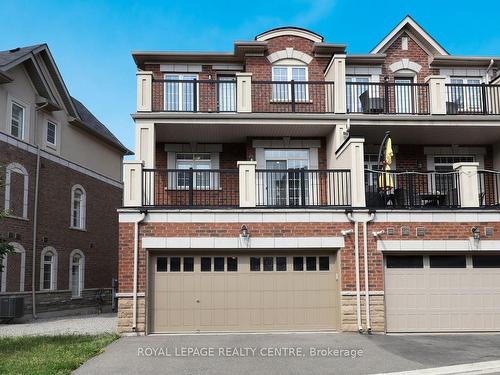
[81, 324]
[313, 353]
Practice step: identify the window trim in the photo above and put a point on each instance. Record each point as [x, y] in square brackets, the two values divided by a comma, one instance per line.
[24, 128]
[181, 104]
[16, 168]
[81, 265]
[19, 249]
[53, 273]
[83, 208]
[56, 126]
[289, 75]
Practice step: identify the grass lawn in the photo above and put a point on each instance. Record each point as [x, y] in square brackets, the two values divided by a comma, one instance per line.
[49, 354]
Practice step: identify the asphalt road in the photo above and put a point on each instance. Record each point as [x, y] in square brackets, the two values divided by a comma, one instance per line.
[293, 353]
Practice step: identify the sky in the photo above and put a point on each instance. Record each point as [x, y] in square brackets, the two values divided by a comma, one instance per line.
[92, 40]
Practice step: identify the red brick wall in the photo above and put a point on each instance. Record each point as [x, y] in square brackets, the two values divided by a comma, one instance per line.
[98, 242]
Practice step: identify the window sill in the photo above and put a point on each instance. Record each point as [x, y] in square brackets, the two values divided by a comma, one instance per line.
[290, 102]
[76, 297]
[196, 189]
[78, 229]
[17, 217]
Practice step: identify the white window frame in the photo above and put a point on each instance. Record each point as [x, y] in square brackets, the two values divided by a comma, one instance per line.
[50, 144]
[213, 178]
[18, 248]
[23, 124]
[83, 208]
[353, 91]
[181, 107]
[81, 273]
[16, 168]
[289, 76]
[468, 104]
[53, 271]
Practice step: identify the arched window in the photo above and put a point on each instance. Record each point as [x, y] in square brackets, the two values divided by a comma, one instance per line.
[48, 269]
[77, 272]
[16, 190]
[78, 207]
[18, 248]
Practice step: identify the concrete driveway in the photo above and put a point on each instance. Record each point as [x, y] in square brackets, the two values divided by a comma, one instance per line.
[293, 353]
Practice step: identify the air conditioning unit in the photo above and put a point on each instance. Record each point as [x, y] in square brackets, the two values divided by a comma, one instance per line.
[11, 307]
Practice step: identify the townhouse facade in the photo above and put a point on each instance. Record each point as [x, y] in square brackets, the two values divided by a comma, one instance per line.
[61, 185]
[265, 194]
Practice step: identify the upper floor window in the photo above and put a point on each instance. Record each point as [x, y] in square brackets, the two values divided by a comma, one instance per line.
[201, 180]
[18, 118]
[180, 96]
[51, 136]
[16, 191]
[282, 92]
[78, 206]
[356, 86]
[466, 94]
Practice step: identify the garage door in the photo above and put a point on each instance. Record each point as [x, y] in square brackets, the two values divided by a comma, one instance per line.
[250, 292]
[442, 293]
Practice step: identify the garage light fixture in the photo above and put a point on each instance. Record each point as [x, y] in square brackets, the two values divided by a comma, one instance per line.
[244, 232]
[346, 232]
[379, 233]
[476, 233]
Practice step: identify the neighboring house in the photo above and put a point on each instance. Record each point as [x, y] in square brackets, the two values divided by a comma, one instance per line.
[255, 171]
[62, 170]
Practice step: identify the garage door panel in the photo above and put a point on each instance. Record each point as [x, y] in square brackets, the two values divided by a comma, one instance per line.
[257, 299]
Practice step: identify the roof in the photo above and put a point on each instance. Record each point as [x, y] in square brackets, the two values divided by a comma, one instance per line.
[289, 30]
[84, 118]
[95, 126]
[408, 23]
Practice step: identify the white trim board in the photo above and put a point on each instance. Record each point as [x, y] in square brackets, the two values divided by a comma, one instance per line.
[240, 243]
[438, 245]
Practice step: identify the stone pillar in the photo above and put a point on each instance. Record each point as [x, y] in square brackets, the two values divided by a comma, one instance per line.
[244, 92]
[339, 83]
[468, 184]
[437, 94]
[144, 91]
[247, 183]
[145, 142]
[132, 183]
[357, 172]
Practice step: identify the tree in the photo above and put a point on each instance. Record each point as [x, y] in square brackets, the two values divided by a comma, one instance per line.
[5, 248]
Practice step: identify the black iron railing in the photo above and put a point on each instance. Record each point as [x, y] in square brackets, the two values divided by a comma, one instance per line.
[292, 96]
[489, 188]
[194, 95]
[428, 189]
[387, 98]
[303, 188]
[190, 188]
[472, 99]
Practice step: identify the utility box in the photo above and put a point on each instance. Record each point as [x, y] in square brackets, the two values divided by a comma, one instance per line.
[11, 307]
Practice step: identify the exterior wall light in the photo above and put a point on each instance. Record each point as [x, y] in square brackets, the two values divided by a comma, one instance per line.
[244, 232]
[346, 232]
[476, 233]
[379, 233]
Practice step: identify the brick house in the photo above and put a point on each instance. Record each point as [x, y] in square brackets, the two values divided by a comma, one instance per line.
[62, 184]
[257, 200]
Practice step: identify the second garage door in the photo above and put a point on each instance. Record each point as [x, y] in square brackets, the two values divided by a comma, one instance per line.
[442, 293]
[243, 292]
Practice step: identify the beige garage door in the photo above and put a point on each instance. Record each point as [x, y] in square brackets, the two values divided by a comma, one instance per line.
[442, 293]
[250, 292]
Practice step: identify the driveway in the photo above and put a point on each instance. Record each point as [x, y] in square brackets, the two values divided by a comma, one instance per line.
[293, 353]
[79, 324]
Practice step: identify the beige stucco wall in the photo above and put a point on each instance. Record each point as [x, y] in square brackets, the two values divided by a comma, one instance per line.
[73, 143]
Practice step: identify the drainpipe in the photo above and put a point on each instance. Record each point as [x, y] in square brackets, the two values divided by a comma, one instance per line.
[356, 262]
[486, 74]
[136, 258]
[35, 215]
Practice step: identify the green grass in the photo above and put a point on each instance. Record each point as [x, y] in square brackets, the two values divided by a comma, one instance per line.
[49, 354]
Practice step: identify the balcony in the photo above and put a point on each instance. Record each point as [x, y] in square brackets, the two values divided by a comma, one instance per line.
[470, 99]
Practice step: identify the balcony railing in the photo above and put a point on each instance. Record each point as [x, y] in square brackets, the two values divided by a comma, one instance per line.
[190, 188]
[428, 189]
[194, 95]
[472, 99]
[489, 188]
[292, 96]
[387, 97]
[303, 188]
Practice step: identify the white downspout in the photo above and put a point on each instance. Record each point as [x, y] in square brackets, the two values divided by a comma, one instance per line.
[356, 262]
[136, 258]
[367, 285]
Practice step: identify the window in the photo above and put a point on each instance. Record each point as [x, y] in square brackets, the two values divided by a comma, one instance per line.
[404, 95]
[282, 92]
[16, 190]
[298, 263]
[355, 87]
[17, 120]
[78, 207]
[206, 264]
[404, 261]
[311, 263]
[268, 263]
[195, 161]
[226, 88]
[180, 96]
[371, 163]
[446, 183]
[175, 264]
[324, 263]
[254, 264]
[48, 272]
[486, 261]
[51, 133]
[447, 261]
[466, 95]
[188, 264]
[77, 269]
[232, 264]
[161, 264]
[280, 263]
[219, 264]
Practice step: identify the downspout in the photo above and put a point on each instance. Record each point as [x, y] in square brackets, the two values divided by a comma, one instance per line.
[367, 285]
[486, 74]
[136, 258]
[35, 215]
[356, 262]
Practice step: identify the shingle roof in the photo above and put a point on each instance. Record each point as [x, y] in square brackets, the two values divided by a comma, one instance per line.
[94, 125]
[9, 56]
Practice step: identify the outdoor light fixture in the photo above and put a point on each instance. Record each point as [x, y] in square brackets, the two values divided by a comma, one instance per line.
[476, 233]
[380, 232]
[346, 232]
[244, 232]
